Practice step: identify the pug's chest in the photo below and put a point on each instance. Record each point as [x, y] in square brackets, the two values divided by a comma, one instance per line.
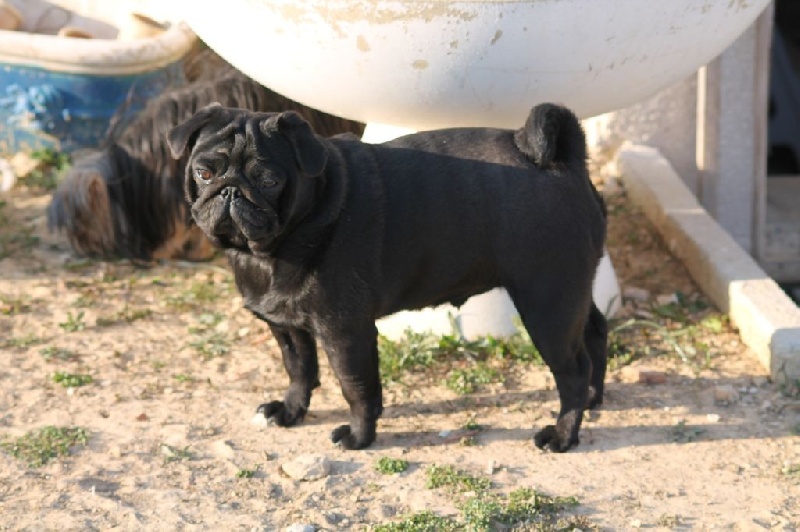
[278, 310]
[277, 297]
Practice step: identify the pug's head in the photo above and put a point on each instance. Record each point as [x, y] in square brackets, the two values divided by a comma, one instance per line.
[250, 177]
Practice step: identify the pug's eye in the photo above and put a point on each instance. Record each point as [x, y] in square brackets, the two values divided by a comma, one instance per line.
[203, 175]
[269, 182]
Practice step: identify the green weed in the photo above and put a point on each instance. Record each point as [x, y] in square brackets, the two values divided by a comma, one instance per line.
[13, 243]
[421, 522]
[199, 293]
[791, 470]
[418, 351]
[174, 454]
[71, 380]
[450, 477]
[683, 433]
[52, 166]
[12, 306]
[23, 341]
[391, 466]
[52, 352]
[247, 473]
[126, 315]
[468, 380]
[74, 323]
[40, 446]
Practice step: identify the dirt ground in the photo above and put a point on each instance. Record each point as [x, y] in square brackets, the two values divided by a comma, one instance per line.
[692, 435]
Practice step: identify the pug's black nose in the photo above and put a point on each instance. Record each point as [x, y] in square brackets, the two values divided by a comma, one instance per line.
[229, 192]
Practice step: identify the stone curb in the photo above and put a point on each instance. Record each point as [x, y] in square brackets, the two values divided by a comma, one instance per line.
[767, 319]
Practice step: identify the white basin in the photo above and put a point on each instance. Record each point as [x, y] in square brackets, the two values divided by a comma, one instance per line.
[423, 64]
[439, 63]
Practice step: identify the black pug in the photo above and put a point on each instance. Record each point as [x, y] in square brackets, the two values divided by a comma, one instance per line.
[325, 235]
[125, 200]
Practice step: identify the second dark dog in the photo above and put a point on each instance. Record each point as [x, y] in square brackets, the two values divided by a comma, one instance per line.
[126, 199]
[327, 235]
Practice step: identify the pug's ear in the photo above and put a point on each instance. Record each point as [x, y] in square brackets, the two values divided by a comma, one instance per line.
[180, 136]
[310, 153]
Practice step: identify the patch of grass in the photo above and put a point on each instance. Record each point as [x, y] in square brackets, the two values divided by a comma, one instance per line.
[457, 480]
[52, 165]
[209, 342]
[414, 351]
[197, 294]
[471, 424]
[468, 380]
[79, 265]
[418, 351]
[247, 473]
[12, 243]
[670, 337]
[74, 323]
[523, 509]
[211, 345]
[182, 378]
[126, 315]
[391, 466]
[791, 471]
[683, 433]
[426, 521]
[23, 341]
[174, 454]
[715, 323]
[71, 380]
[40, 446]
[85, 301]
[207, 321]
[52, 352]
[670, 521]
[11, 306]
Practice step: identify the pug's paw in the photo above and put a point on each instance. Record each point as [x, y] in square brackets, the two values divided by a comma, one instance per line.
[552, 439]
[346, 438]
[282, 414]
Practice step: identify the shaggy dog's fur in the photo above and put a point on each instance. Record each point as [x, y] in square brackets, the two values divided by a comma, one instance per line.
[126, 199]
[325, 235]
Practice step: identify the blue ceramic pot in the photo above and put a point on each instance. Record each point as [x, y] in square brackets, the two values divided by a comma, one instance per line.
[67, 111]
[61, 93]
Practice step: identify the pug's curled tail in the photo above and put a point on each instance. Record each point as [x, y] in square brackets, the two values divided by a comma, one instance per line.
[551, 135]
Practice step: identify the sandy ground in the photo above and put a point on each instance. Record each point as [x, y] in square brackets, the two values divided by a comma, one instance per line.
[178, 369]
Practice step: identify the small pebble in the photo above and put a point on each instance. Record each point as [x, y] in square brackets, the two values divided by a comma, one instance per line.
[667, 299]
[115, 451]
[300, 527]
[725, 394]
[259, 421]
[223, 449]
[307, 467]
[712, 418]
[635, 293]
[643, 375]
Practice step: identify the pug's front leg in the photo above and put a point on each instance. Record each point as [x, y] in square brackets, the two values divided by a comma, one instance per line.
[299, 351]
[354, 358]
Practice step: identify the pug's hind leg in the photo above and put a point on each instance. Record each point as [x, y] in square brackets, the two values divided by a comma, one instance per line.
[354, 358]
[299, 351]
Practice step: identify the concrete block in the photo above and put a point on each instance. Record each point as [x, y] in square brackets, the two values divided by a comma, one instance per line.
[767, 319]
